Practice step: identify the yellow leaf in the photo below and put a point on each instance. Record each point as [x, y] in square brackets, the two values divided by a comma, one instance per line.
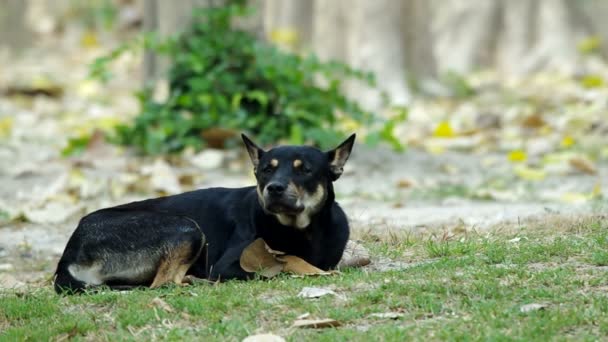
[590, 45]
[89, 40]
[107, 123]
[435, 148]
[597, 191]
[592, 81]
[528, 173]
[444, 130]
[6, 126]
[517, 156]
[574, 197]
[567, 141]
[284, 36]
[350, 125]
[88, 88]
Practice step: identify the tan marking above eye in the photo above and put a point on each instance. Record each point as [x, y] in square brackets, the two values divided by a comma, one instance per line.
[297, 163]
[274, 162]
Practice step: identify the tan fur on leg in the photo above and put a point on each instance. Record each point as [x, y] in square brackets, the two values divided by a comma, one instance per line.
[174, 265]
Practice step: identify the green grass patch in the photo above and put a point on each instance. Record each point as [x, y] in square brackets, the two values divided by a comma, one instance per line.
[465, 286]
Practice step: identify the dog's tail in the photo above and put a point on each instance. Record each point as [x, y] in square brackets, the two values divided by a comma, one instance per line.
[65, 283]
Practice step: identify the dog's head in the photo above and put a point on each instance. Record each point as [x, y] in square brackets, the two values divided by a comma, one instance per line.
[293, 181]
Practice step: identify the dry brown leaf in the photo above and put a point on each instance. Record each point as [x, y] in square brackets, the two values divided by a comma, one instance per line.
[161, 304]
[217, 137]
[404, 183]
[299, 266]
[273, 252]
[583, 165]
[534, 121]
[316, 323]
[256, 258]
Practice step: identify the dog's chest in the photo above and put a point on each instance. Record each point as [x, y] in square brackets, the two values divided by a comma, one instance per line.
[289, 241]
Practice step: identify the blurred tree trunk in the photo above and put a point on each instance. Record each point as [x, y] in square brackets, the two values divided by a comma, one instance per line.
[14, 32]
[166, 18]
[373, 36]
[406, 43]
[288, 23]
[515, 36]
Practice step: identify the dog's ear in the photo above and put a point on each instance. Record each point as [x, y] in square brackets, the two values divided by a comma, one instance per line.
[255, 152]
[338, 157]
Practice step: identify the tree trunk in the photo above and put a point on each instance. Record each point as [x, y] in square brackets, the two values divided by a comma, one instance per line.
[167, 18]
[375, 42]
[13, 31]
[288, 23]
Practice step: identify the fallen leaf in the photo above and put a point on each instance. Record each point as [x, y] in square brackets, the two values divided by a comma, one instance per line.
[389, 315]
[256, 258]
[161, 304]
[567, 141]
[263, 338]
[304, 315]
[316, 323]
[405, 183]
[217, 137]
[299, 266]
[533, 307]
[583, 165]
[273, 252]
[517, 156]
[6, 126]
[89, 40]
[534, 121]
[575, 197]
[208, 159]
[528, 173]
[162, 177]
[592, 81]
[444, 130]
[315, 292]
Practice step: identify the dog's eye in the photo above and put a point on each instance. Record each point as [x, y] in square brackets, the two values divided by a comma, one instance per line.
[268, 169]
[306, 170]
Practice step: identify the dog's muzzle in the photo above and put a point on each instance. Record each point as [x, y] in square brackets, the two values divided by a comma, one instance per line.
[281, 199]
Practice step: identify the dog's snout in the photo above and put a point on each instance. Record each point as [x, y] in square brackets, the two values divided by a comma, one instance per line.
[275, 189]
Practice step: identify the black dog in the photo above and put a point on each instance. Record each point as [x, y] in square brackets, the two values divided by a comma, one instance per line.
[204, 232]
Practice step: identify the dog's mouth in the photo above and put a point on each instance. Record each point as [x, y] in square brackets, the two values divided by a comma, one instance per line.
[283, 206]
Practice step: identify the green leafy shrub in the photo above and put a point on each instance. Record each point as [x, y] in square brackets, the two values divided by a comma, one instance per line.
[223, 77]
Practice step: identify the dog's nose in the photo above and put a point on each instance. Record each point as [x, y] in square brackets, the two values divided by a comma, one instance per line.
[275, 189]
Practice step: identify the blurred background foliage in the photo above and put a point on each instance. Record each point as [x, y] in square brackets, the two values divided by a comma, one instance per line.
[222, 80]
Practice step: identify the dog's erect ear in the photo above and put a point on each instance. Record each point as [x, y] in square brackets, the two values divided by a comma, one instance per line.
[338, 157]
[255, 152]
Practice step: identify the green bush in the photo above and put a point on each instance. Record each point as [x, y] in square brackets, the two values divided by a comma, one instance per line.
[223, 77]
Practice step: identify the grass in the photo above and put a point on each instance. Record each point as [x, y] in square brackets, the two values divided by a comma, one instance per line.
[446, 286]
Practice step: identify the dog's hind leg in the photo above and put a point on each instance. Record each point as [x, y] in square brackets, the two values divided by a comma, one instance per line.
[123, 248]
[175, 263]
